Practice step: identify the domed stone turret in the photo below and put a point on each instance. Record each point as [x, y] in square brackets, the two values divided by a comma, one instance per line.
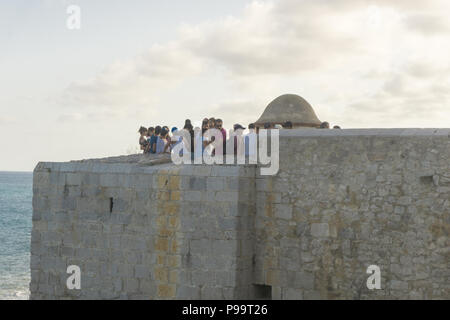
[289, 107]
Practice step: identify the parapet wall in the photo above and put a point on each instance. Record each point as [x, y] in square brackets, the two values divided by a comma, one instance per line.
[342, 200]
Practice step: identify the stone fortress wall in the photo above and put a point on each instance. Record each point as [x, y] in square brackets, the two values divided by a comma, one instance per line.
[342, 200]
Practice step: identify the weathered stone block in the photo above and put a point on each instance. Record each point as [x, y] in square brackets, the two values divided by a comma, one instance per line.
[215, 183]
[227, 196]
[166, 291]
[292, 294]
[320, 230]
[188, 292]
[283, 211]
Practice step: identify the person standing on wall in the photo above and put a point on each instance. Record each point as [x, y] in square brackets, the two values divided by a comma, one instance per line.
[143, 143]
[219, 126]
[154, 139]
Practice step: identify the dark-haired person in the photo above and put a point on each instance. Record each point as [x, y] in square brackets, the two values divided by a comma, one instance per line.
[154, 139]
[324, 125]
[207, 139]
[237, 131]
[205, 128]
[205, 125]
[161, 143]
[211, 123]
[336, 127]
[189, 146]
[287, 125]
[169, 140]
[219, 126]
[267, 125]
[251, 140]
[168, 137]
[150, 133]
[143, 143]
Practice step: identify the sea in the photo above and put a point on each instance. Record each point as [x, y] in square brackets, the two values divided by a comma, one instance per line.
[15, 232]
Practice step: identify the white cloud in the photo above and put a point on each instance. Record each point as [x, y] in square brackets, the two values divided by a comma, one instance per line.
[7, 120]
[371, 60]
[135, 83]
[428, 24]
[237, 111]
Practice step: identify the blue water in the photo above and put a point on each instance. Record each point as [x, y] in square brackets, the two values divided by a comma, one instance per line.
[15, 231]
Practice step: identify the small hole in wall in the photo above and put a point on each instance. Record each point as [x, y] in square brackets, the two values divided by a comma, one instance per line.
[262, 292]
[426, 179]
[111, 205]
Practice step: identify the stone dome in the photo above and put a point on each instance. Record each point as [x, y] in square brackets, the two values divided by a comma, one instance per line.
[289, 107]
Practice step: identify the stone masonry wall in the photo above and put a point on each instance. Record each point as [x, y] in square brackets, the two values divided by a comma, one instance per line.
[345, 200]
[342, 200]
[136, 232]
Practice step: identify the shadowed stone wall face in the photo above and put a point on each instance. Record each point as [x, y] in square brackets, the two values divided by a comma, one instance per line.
[342, 200]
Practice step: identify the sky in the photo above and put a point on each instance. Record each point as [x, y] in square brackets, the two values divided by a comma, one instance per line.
[83, 93]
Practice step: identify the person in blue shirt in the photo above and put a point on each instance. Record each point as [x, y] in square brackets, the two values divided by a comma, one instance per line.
[150, 133]
[154, 139]
[162, 144]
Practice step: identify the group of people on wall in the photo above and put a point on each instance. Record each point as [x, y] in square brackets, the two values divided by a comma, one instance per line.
[161, 139]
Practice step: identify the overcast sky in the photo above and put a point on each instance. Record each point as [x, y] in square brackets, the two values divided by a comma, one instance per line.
[74, 94]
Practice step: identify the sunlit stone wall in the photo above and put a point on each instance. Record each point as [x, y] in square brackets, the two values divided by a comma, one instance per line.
[342, 200]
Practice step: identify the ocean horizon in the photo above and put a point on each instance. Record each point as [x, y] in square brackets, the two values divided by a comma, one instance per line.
[16, 189]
